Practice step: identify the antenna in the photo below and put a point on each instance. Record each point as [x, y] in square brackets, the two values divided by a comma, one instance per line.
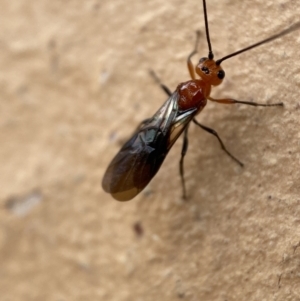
[210, 53]
[276, 36]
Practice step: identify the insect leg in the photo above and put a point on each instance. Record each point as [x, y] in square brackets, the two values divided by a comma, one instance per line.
[213, 132]
[189, 59]
[158, 81]
[185, 136]
[183, 153]
[250, 103]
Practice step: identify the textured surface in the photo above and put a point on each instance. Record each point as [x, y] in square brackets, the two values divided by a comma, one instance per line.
[74, 84]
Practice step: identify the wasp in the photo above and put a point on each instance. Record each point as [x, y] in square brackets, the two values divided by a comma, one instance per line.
[142, 155]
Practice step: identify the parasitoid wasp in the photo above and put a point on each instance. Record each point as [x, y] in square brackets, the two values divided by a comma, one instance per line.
[141, 156]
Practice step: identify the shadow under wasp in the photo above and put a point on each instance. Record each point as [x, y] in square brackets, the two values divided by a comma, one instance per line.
[141, 156]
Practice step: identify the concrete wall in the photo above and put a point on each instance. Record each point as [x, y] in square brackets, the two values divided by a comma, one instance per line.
[74, 85]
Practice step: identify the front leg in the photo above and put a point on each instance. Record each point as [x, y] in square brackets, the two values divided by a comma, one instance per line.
[189, 59]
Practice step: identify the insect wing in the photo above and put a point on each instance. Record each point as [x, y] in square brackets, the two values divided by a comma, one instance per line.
[142, 155]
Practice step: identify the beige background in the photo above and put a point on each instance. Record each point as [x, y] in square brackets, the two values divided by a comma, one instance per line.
[74, 84]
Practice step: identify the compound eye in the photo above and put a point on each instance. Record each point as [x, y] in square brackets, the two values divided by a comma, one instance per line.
[221, 74]
[203, 59]
[205, 70]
